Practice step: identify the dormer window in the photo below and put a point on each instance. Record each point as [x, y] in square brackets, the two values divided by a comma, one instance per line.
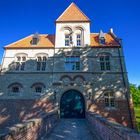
[102, 41]
[67, 40]
[101, 38]
[78, 39]
[35, 39]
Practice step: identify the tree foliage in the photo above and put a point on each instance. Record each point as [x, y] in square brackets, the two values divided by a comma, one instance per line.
[135, 91]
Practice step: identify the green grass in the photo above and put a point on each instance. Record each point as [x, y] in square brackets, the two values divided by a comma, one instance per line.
[137, 113]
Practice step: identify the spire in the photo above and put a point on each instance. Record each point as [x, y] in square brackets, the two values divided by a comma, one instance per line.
[73, 14]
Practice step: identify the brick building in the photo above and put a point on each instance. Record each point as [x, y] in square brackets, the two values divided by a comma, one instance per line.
[74, 70]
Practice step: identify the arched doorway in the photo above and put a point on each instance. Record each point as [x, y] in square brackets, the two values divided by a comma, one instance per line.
[72, 105]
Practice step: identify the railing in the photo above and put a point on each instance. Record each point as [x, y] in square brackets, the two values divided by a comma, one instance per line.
[34, 129]
[108, 130]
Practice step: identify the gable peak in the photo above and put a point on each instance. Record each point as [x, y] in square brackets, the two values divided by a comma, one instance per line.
[73, 14]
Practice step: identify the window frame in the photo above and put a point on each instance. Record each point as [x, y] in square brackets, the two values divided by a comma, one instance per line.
[67, 40]
[72, 63]
[41, 62]
[38, 92]
[109, 100]
[105, 63]
[78, 40]
[20, 62]
[15, 86]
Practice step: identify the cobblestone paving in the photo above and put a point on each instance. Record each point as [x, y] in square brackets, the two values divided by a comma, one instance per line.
[71, 129]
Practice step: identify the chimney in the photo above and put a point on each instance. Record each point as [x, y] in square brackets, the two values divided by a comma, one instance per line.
[111, 30]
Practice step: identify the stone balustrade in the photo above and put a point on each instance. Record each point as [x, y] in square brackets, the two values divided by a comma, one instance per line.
[108, 130]
[34, 129]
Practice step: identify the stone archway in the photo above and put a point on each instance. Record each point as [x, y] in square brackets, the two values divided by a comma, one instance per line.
[72, 105]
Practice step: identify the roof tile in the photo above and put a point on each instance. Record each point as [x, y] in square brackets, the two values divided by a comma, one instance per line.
[45, 41]
[72, 13]
[48, 41]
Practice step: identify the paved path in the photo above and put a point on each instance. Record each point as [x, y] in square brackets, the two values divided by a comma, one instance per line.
[71, 129]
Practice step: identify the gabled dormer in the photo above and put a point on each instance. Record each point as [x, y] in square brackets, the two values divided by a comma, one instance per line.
[72, 28]
[35, 39]
[101, 38]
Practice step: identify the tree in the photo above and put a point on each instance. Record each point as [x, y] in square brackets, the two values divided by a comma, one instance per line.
[135, 91]
[139, 87]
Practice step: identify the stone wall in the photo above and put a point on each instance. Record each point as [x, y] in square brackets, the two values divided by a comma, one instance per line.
[34, 129]
[14, 111]
[108, 130]
[119, 114]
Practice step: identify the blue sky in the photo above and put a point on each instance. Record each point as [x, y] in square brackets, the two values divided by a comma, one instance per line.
[20, 18]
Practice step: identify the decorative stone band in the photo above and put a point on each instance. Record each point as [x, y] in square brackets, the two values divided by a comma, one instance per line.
[108, 130]
[33, 129]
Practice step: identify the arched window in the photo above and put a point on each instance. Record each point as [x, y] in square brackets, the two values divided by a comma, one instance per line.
[105, 61]
[15, 89]
[41, 62]
[79, 32]
[38, 88]
[79, 41]
[67, 40]
[109, 99]
[68, 37]
[20, 62]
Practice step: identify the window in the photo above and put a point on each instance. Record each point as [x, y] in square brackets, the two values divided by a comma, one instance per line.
[78, 40]
[102, 41]
[15, 89]
[41, 63]
[72, 63]
[67, 40]
[34, 41]
[109, 99]
[38, 89]
[105, 62]
[20, 63]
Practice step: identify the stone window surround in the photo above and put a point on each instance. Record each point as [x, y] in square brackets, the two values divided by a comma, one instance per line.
[38, 85]
[105, 65]
[20, 60]
[41, 63]
[74, 30]
[10, 89]
[110, 97]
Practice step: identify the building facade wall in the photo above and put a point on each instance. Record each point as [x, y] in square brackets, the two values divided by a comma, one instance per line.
[89, 80]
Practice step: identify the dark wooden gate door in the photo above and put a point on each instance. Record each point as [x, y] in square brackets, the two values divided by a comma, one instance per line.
[72, 105]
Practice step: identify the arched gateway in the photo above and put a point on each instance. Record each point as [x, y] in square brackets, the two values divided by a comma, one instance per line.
[72, 105]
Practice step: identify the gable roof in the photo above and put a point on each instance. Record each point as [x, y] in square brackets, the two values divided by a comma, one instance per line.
[73, 14]
[45, 41]
[48, 41]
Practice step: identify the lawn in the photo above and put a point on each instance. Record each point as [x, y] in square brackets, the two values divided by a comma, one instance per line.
[137, 113]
